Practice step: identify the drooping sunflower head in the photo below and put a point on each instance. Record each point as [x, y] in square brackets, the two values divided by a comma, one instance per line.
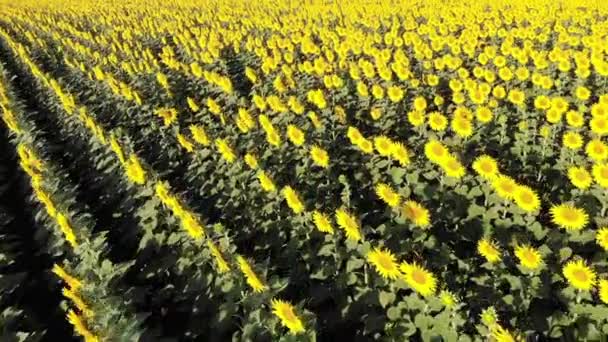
[287, 315]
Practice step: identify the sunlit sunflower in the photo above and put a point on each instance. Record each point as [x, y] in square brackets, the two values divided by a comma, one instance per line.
[453, 167]
[600, 174]
[415, 118]
[486, 167]
[387, 194]
[448, 299]
[435, 151]
[500, 334]
[366, 146]
[319, 156]
[488, 249]
[437, 121]
[400, 153]
[419, 279]
[293, 199]
[568, 216]
[580, 177]
[596, 150]
[295, 135]
[384, 262]
[526, 198]
[601, 237]
[354, 135]
[322, 222]
[579, 275]
[349, 223]
[599, 125]
[575, 119]
[603, 290]
[286, 314]
[505, 186]
[489, 317]
[484, 114]
[529, 257]
[462, 127]
[250, 277]
[416, 213]
[572, 140]
[383, 145]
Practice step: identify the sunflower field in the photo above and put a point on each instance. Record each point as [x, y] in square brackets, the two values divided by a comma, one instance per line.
[303, 170]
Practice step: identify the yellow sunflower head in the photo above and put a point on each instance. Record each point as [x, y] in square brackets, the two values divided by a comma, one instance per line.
[419, 279]
[579, 275]
[384, 262]
[568, 216]
[486, 167]
[489, 250]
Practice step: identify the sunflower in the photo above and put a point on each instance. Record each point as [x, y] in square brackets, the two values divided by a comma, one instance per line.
[452, 167]
[251, 161]
[596, 150]
[286, 314]
[488, 249]
[322, 222]
[376, 113]
[579, 275]
[603, 290]
[250, 277]
[395, 94]
[266, 182]
[599, 125]
[354, 135]
[319, 156]
[437, 121]
[419, 279]
[415, 118]
[384, 262]
[225, 150]
[572, 140]
[601, 237]
[575, 119]
[383, 145]
[400, 153]
[526, 198]
[447, 298]
[435, 151]
[387, 194]
[293, 199]
[500, 334]
[484, 114]
[529, 257]
[416, 213]
[295, 135]
[366, 146]
[579, 177]
[462, 127]
[568, 216]
[486, 167]
[489, 317]
[600, 174]
[350, 225]
[505, 186]
[420, 104]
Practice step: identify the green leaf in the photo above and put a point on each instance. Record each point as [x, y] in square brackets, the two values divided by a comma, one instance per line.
[386, 298]
[393, 313]
[354, 264]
